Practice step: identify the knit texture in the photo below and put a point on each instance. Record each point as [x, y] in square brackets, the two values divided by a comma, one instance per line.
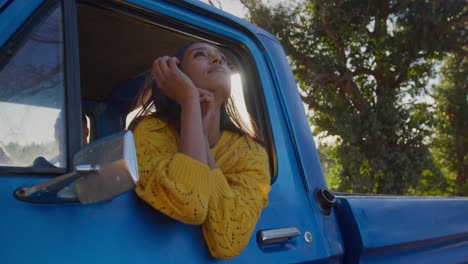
[227, 201]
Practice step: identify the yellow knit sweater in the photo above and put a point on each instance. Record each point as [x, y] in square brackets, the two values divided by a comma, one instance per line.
[227, 200]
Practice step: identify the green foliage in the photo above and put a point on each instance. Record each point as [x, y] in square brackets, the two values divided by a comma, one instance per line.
[451, 137]
[24, 155]
[363, 67]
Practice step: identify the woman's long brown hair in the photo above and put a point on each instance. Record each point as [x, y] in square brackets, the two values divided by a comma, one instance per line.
[154, 102]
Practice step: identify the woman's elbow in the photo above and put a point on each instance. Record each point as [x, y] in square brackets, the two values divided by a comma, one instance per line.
[227, 252]
[193, 216]
[224, 246]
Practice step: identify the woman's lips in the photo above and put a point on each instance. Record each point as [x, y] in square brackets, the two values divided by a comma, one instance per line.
[216, 69]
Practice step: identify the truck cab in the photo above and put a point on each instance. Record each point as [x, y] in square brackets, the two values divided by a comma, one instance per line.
[62, 60]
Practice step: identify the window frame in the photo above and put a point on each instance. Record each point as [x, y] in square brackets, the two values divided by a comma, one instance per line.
[72, 106]
[254, 98]
[72, 81]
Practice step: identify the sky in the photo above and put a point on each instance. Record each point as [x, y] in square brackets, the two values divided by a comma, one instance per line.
[231, 6]
[235, 7]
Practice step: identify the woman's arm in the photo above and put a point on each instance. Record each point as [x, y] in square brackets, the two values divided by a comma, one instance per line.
[236, 202]
[192, 139]
[172, 182]
[177, 86]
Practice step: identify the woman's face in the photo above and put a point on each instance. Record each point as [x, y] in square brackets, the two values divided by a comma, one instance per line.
[207, 67]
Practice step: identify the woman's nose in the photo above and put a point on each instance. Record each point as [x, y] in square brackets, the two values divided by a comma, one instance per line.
[216, 58]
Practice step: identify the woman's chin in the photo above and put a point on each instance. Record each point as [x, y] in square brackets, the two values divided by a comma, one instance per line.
[218, 84]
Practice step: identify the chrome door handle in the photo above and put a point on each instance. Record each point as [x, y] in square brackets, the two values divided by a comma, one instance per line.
[272, 236]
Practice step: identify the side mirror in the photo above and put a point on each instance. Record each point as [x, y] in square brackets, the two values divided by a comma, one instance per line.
[103, 169]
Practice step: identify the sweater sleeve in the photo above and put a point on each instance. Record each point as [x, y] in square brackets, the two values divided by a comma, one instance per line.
[237, 201]
[171, 182]
[228, 203]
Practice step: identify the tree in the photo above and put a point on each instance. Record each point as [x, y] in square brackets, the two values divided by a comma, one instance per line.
[363, 67]
[451, 137]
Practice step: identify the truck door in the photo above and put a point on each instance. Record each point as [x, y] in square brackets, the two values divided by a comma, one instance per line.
[61, 57]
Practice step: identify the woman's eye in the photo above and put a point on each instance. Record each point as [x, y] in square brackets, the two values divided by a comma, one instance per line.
[225, 60]
[198, 53]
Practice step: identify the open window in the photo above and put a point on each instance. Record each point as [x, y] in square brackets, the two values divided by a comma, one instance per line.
[117, 47]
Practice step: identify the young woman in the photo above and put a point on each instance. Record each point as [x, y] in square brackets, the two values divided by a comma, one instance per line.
[198, 163]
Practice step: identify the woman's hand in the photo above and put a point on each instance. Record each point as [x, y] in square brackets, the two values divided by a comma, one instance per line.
[207, 105]
[172, 81]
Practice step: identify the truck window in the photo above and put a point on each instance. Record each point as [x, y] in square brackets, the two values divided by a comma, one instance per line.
[123, 56]
[32, 130]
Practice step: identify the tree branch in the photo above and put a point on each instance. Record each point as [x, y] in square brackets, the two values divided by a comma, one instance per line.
[362, 70]
[311, 102]
[212, 4]
[380, 27]
[323, 78]
[457, 50]
[339, 50]
[462, 20]
[345, 82]
[347, 85]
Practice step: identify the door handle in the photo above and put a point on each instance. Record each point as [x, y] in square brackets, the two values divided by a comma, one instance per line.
[279, 235]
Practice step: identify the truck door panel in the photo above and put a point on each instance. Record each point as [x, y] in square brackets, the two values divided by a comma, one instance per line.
[126, 229]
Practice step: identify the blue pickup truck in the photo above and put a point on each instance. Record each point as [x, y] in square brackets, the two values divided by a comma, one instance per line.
[61, 61]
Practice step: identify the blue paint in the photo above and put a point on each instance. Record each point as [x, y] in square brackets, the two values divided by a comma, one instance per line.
[14, 16]
[378, 228]
[297, 122]
[128, 230]
[3, 4]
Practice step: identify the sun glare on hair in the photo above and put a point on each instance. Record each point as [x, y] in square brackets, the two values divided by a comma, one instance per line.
[239, 101]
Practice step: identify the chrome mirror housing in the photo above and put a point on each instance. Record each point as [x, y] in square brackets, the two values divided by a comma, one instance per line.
[102, 170]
